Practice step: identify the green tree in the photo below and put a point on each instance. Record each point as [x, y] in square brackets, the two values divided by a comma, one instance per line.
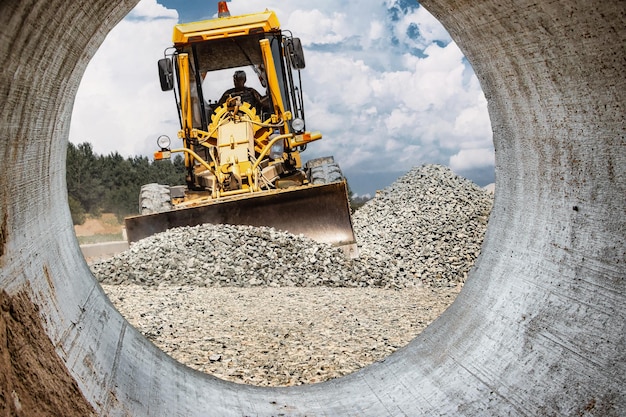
[78, 212]
[83, 181]
[111, 183]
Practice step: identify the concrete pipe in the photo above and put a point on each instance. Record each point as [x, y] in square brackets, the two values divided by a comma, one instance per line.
[537, 330]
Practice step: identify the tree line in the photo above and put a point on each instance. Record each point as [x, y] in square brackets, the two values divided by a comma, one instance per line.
[111, 183]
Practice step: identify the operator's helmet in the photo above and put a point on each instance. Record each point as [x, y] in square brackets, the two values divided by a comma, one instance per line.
[240, 75]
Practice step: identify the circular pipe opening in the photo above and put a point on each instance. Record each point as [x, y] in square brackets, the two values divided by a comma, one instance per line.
[296, 348]
[538, 329]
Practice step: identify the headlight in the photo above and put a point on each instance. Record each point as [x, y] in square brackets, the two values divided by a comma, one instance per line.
[297, 125]
[164, 141]
[277, 149]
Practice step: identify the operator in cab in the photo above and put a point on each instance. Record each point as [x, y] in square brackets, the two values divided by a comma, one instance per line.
[247, 94]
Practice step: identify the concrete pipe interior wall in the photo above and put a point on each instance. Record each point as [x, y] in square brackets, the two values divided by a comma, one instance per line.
[538, 328]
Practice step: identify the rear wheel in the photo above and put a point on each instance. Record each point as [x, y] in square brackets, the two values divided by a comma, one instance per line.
[323, 170]
[154, 198]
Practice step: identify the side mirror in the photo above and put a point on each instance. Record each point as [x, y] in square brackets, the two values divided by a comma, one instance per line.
[294, 48]
[166, 75]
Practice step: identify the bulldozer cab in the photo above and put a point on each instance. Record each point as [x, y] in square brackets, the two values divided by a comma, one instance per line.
[199, 68]
[271, 60]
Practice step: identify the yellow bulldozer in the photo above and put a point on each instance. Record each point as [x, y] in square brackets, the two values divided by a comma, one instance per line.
[242, 147]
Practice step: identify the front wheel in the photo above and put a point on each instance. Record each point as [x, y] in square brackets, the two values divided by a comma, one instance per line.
[154, 198]
[323, 171]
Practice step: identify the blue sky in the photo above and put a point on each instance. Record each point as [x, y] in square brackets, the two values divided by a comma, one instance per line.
[384, 83]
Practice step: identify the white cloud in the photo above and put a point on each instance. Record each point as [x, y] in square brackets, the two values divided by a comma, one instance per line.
[400, 119]
[379, 106]
[473, 124]
[119, 106]
[376, 31]
[331, 28]
[421, 21]
[150, 9]
[467, 159]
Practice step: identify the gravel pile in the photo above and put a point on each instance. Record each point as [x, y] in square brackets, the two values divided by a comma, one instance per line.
[228, 256]
[427, 227]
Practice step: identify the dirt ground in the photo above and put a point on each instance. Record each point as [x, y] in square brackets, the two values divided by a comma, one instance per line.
[106, 224]
[33, 380]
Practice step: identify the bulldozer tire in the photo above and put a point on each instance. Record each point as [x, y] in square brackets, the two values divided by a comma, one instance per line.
[325, 173]
[319, 161]
[154, 198]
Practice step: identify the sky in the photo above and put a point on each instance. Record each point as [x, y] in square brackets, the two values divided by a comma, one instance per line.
[383, 82]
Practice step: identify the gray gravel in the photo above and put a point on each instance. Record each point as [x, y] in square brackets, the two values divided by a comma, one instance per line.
[421, 235]
[279, 336]
[427, 227]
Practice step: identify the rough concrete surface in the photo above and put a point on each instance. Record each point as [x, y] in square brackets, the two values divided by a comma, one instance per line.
[539, 326]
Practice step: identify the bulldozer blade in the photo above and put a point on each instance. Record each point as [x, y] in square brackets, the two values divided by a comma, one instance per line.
[321, 212]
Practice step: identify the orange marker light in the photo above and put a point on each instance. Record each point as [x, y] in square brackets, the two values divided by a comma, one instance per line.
[222, 9]
[160, 155]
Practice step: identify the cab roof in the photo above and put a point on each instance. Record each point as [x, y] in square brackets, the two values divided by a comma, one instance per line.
[225, 27]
